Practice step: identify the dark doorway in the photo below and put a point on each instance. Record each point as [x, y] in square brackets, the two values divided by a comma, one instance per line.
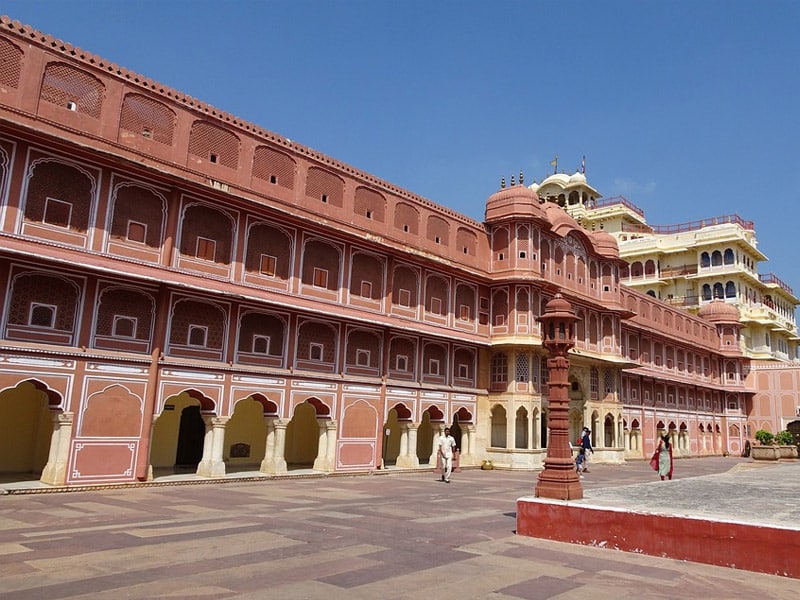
[544, 429]
[190, 438]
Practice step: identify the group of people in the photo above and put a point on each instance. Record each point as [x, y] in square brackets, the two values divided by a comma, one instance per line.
[661, 461]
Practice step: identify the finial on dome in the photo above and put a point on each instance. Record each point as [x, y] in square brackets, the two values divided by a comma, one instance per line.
[521, 178]
[512, 181]
[503, 183]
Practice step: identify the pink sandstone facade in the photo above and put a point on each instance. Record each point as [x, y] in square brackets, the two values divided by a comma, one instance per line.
[183, 290]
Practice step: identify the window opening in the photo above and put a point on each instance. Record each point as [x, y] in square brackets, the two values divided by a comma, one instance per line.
[362, 358]
[42, 315]
[261, 344]
[137, 232]
[205, 248]
[268, 265]
[463, 312]
[124, 327]
[197, 336]
[404, 297]
[320, 278]
[57, 212]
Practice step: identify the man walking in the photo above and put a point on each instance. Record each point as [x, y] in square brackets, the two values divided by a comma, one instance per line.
[447, 445]
[586, 445]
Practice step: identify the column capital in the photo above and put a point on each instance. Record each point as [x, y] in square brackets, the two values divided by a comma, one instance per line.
[64, 418]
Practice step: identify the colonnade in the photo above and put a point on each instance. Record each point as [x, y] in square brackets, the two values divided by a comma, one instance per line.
[408, 458]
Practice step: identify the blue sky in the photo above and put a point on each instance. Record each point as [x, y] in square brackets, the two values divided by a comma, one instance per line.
[687, 108]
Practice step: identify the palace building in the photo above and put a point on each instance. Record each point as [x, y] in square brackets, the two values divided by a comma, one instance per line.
[689, 264]
[183, 291]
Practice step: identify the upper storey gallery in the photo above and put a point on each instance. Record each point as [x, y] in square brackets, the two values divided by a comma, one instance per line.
[76, 95]
[72, 95]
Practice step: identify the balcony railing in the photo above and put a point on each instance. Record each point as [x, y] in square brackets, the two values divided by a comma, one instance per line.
[771, 278]
[683, 301]
[702, 223]
[679, 271]
[613, 200]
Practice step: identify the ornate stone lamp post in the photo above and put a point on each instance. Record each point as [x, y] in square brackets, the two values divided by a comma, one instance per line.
[559, 479]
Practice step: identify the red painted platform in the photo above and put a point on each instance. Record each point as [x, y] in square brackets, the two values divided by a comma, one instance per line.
[761, 548]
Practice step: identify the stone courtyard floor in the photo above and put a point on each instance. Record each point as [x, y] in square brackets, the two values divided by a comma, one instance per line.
[381, 536]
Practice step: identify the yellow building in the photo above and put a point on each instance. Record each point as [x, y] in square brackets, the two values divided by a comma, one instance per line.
[690, 264]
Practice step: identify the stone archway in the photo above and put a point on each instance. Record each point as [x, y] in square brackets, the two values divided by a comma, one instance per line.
[179, 433]
[311, 437]
[794, 428]
[29, 424]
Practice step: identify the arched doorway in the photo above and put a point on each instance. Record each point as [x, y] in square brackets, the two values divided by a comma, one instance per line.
[246, 433]
[191, 432]
[392, 434]
[498, 427]
[608, 431]
[794, 429]
[179, 433]
[26, 429]
[302, 435]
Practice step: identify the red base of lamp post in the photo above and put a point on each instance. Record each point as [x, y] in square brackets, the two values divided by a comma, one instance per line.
[559, 481]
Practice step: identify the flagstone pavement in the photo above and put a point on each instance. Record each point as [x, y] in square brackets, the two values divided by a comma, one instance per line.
[389, 535]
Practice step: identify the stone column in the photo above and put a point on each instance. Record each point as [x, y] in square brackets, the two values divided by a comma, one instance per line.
[332, 428]
[408, 445]
[437, 429]
[403, 459]
[268, 464]
[55, 471]
[322, 446]
[468, 445]
[280, 445]
[212, 464]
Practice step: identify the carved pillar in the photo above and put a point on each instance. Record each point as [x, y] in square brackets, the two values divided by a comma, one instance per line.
[55, 471]
[212, 464]
[558, 480]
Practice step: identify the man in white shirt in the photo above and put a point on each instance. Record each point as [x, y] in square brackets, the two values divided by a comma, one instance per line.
[447, 445]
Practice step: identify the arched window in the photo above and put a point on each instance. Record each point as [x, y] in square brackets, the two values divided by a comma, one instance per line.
[705, 260]
[706, 291]
[718, 291]
[728, 258]
[730, 290]
[716, 258]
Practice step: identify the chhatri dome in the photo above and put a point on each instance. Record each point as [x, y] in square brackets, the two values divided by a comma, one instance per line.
[719, 311]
